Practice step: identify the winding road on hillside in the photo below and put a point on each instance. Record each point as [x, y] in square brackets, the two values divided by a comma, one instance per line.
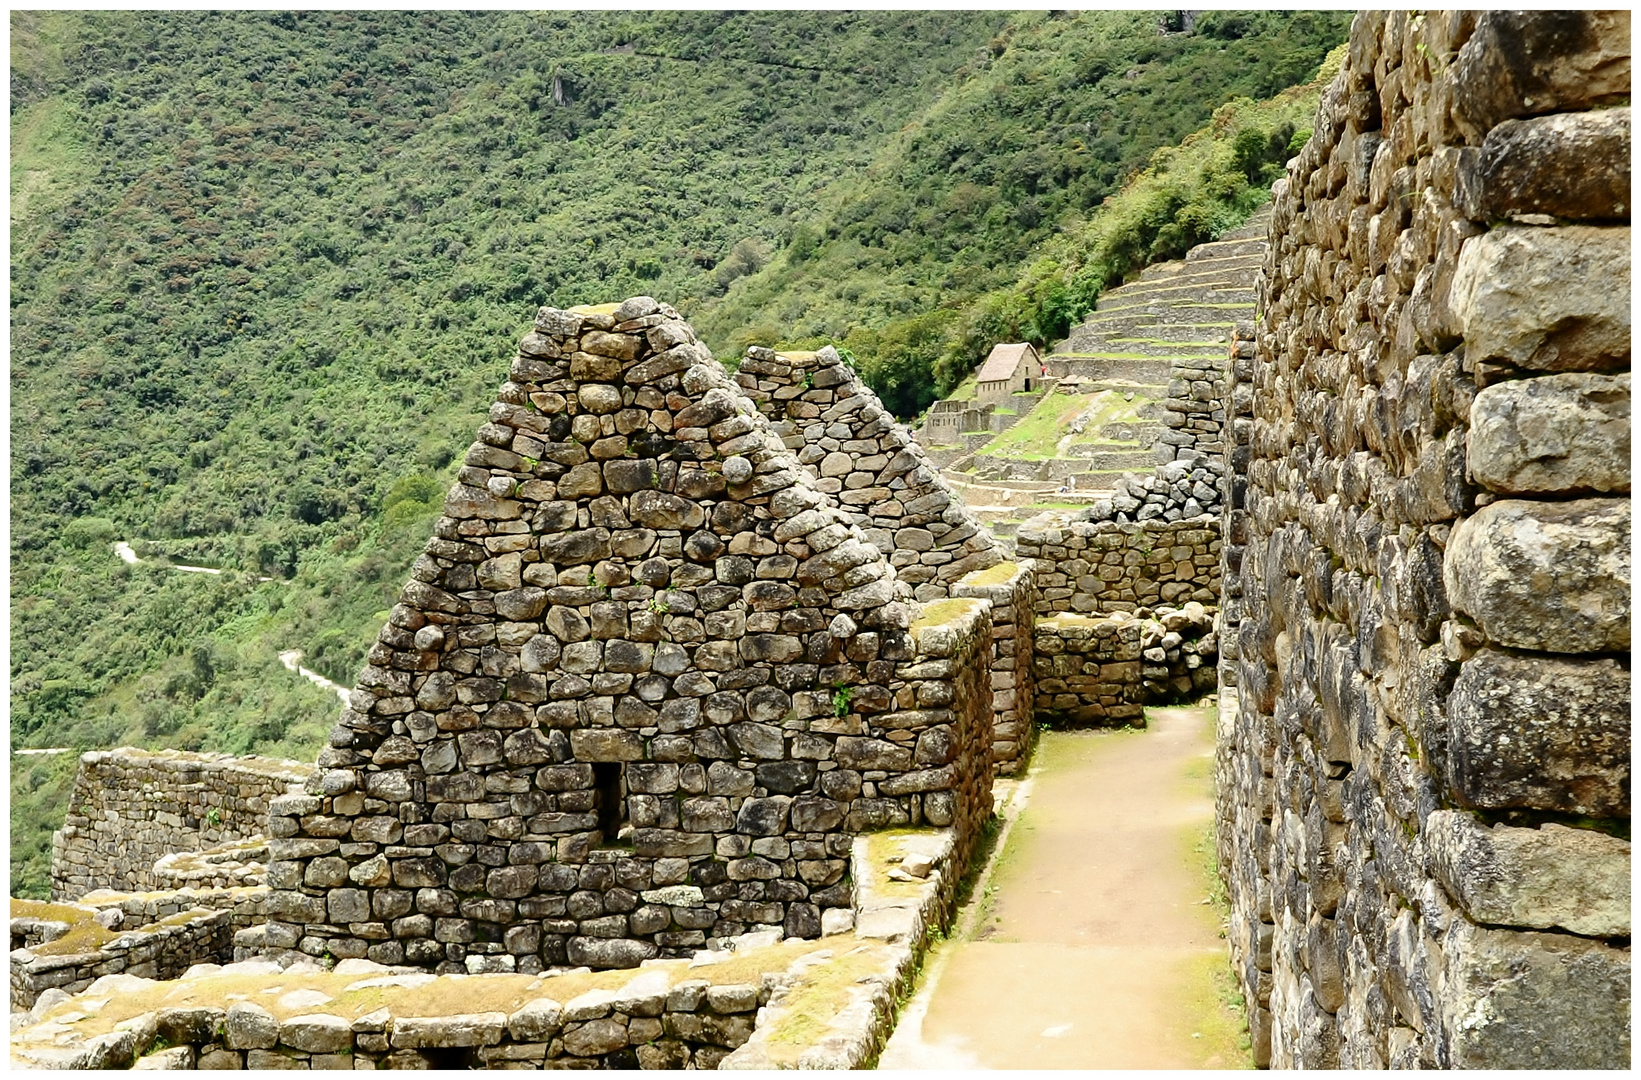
[290, 658]
[1093, 941]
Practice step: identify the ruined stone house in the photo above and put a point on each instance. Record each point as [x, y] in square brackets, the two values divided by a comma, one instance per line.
[646, 683]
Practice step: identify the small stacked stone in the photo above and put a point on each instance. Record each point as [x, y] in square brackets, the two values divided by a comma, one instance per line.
[1086, 566]
[646, 682]
[1088, 671]
[1433, 561]
[871, 464]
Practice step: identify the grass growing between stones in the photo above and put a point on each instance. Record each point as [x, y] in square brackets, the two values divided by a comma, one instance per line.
[85, 934]
[1213, 1012]
[816, 1000]
[448, 995]
[942, 612]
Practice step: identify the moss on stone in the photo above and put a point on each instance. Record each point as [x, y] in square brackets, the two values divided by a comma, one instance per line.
[816, 999]
[996, 575]
[945, 612]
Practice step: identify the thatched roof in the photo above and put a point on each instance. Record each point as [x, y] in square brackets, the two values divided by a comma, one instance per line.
[1005, 360]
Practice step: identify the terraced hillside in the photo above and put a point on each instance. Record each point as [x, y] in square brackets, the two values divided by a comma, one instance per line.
[1105, 416]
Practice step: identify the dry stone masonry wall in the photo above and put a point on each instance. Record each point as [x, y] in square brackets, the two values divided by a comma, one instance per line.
[647, 682]
[1425, 782]
[67, 947]
[880, 475]
[129, 809]
[870, 463]
[1106, 566]
[1010, 589]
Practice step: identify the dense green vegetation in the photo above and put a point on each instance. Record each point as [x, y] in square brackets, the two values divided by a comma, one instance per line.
[268, 267]
[903, 261]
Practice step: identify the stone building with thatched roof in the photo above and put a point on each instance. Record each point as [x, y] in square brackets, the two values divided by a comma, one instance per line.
[1011, 367]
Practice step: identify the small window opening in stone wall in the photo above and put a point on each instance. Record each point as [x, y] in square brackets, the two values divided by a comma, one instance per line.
[609, 786]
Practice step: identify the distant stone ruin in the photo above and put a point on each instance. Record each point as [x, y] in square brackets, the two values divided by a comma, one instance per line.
[1424, 779]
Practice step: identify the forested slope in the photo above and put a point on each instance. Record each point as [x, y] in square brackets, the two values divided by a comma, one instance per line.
[267, 268]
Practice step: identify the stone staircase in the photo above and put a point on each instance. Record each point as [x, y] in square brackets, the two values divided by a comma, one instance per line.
[1184, 309]
[1129, 345]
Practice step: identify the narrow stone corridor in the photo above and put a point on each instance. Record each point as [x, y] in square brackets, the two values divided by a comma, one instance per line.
[1095, 941]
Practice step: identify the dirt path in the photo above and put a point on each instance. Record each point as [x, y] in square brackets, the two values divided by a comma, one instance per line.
[290, 658]
[1093, 945]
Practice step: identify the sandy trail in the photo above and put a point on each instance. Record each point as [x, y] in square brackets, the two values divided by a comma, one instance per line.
[1096, 948]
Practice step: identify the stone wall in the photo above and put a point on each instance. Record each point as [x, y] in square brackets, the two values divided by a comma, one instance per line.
[1102, 670]
[1106, 566]
[86, 950]
[1234, 492]
[129, 808]
[1010, 588]
[1423, 785]
[647, 682]
[948, 421]
[653, 1023]
[1088, 671]
[871, 465]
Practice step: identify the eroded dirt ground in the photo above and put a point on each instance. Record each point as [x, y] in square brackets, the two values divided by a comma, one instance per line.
[1095, 944]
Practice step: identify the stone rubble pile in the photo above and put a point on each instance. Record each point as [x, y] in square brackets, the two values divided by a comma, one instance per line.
[1179, 653]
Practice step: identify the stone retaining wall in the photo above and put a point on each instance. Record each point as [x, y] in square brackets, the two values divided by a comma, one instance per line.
[1010, 588]
[647, 683]
[159, 950]
[760, 1004]
[1106, 566]
[129, 808]
[1424, 784]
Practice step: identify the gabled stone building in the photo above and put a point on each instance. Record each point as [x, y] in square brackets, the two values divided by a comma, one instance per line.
[1011, 367]
[645, 685]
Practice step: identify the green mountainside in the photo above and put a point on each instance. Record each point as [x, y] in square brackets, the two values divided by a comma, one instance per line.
[899, 264]
[267, 269]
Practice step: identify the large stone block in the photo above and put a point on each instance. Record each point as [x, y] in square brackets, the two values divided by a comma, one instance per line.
[1548, 576]
[1521, 63]
[1543, 878]
[1542, 733]
[1546, 299]
[1566, 434]
[1572, 165]
[1526, 1000]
